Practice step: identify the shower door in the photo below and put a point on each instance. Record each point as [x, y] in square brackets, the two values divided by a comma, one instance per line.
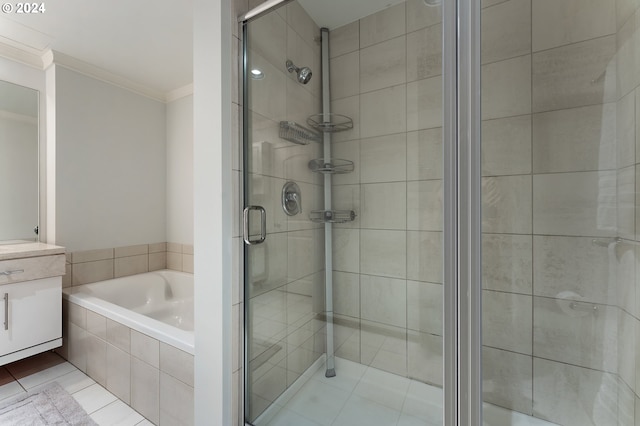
[344, 214]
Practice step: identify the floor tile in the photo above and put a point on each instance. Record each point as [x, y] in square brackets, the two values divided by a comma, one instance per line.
[74, 381]
[94, 398]
[117, 414]
[384, 388]
[360, 411]
[319, 401]
[371, 402]
[424, 402]
[290, 418]
[406, 420]
[47, 375]
[348, 374]
[49, 367]
[10, 389]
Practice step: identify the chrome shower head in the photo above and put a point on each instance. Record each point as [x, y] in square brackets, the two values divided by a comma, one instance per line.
[304, 73]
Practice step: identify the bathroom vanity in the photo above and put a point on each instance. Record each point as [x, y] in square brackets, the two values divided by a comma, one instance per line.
[30, 299]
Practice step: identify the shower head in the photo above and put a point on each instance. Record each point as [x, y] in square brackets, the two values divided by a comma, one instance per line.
[304, 73]
[432, 3]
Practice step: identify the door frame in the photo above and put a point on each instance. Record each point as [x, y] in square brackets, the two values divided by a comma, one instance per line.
[462, 232]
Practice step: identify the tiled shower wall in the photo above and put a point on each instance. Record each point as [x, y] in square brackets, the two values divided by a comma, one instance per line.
[559, 122]
[386, 75]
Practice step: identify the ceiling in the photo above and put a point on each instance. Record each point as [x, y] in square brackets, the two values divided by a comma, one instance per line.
[147, 42]
[333, 14]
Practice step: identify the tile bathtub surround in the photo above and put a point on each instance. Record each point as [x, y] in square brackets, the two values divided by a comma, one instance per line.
[153, 378]
[84, 267]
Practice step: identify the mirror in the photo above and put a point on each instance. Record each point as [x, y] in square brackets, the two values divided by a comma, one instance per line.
[18, 163]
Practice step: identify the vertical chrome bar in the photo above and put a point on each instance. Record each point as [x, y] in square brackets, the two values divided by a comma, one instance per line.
[470, 207]
[246, 146]
[450, 225]
[462, 224]
[328, 227]
[6, 311]
[245, 226]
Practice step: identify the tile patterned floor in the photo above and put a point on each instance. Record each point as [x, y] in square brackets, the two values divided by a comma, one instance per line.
[361, 395]
[103, 407]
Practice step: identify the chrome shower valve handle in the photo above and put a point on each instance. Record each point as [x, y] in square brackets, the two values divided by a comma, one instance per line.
[291, 199]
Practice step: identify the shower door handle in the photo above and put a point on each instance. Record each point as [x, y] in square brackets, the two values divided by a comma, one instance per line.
[263, 225]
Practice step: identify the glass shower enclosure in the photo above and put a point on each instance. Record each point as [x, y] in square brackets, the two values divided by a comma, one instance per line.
[376, 170]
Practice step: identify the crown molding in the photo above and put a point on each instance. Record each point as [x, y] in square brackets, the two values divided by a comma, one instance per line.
[44, 60]
[22, 54]
[178, 93]
[103, 75]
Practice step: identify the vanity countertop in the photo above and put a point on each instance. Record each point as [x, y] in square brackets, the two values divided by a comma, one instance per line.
[28, 249]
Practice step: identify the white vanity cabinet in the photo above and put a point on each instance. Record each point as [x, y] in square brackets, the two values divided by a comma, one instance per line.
[30, 300]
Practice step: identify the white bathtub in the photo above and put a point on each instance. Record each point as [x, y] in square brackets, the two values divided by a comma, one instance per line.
[158, 304]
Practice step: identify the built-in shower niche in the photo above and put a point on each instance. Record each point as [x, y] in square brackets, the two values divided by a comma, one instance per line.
[328, 123]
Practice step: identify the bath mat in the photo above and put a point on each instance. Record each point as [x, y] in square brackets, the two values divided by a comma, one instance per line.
[49, 404]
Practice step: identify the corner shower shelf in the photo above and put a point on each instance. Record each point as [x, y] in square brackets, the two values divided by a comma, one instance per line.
[330, 123]
[333, 166]
[293, 132]
[332, 216]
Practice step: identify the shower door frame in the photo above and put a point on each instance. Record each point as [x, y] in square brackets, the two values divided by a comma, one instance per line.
[462, 225]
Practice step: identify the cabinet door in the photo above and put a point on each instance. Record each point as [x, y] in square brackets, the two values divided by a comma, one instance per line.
[34, 313]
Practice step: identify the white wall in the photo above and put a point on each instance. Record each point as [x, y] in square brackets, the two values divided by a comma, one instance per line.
[212, 211]
[180, 170]
[110, 165]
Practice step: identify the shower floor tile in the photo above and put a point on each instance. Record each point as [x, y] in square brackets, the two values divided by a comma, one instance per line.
[103, 407]
[361, 395]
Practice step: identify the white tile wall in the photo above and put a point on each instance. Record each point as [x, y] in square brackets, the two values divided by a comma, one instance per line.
[506, 30]
[573, 267]
[424, 53]
[558, 23]
[506, 88]
[506, 146]
[577, 139]
[575, 203]
[383, 25]
[507, 321]
[383, 65]
[575, 75]
[383, 112]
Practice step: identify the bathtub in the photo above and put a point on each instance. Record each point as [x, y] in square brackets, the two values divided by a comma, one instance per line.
[158, 304]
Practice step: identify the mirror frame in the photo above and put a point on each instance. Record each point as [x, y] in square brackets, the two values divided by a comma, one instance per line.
[32, 77]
